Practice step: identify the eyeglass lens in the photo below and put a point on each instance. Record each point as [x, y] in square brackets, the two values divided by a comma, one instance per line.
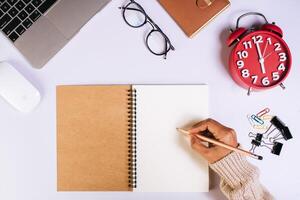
[156, 41]
[134, 15]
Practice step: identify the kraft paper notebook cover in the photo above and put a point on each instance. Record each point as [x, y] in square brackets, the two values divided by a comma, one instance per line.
[123, 138]
[193, 15]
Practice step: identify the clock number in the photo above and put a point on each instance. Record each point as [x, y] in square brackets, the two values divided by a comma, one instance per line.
[254, 79]
[243, 54]
[265, 81]
[247, 44]
[281, 67]
[275, 76]
[282, 57]
[257, 39]
[245, 73]
[240, 64]
[269, 41]
[277, 47]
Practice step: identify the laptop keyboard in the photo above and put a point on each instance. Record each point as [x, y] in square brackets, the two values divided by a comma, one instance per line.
[16, 16]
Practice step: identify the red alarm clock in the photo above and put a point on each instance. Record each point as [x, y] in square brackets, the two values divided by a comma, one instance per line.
[261, 59]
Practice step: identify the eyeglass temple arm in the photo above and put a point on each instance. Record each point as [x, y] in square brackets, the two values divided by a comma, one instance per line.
[126, 8]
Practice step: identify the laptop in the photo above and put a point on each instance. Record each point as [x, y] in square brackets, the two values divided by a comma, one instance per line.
[40, 28]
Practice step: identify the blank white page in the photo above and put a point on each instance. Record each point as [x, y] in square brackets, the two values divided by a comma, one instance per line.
[165, 160]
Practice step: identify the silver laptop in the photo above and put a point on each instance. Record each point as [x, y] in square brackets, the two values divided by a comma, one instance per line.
[40, 28]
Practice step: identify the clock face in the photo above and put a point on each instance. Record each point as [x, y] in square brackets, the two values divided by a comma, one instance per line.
[260, 60]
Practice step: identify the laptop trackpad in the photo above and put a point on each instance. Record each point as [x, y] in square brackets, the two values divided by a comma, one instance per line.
[70, 15]
[40, 42]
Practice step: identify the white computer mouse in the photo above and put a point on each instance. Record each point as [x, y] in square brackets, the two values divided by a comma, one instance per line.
[16, 90]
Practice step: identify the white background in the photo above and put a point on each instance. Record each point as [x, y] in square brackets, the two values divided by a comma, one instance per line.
[108, 51]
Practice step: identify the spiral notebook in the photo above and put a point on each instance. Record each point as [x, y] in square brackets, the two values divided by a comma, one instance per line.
[123, 138]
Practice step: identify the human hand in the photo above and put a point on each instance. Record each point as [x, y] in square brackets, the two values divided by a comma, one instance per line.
[220, 132]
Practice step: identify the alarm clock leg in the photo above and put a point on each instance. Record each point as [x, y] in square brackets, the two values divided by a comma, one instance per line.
[249, 91]
[282, 86]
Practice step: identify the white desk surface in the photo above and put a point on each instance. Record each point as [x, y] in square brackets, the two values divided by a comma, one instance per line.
[107, 51]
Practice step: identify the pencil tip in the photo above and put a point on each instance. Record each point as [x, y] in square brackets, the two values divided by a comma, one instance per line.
[180, 130]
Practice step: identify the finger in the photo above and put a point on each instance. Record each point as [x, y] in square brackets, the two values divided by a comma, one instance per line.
[198, 146]
[208, 124]
[195, 125]
[211, 125]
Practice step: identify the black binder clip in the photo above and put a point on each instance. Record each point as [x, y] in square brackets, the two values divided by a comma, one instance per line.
[257, 140]
[286, 133]
[284, 130]
[276, 148]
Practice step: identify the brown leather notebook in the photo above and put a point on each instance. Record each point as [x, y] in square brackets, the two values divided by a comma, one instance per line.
[92, 138]
[193, 15]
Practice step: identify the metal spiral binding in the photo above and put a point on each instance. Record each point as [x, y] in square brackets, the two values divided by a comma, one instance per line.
[132, 138]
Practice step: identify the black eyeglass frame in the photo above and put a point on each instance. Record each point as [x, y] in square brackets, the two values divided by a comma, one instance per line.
[155, 28]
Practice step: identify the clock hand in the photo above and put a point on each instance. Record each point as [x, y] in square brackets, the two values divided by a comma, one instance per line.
[261, 60]
[269, 54]
[265, 49]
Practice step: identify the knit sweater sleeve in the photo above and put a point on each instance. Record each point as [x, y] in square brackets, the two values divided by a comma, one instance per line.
[239, 178]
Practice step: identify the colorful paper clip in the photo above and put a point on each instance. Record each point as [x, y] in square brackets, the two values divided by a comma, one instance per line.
[257, 119]
[266, 117]
[260, 127]
[250, 120]
[263, 112]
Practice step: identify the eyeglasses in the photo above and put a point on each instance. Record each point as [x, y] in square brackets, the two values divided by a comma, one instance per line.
[135, 16]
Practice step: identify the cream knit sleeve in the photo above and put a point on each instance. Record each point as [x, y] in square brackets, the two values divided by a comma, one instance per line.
[239, 178]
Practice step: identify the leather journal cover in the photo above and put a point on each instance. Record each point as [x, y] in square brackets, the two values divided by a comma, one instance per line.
[92, 138]
[193, 15]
